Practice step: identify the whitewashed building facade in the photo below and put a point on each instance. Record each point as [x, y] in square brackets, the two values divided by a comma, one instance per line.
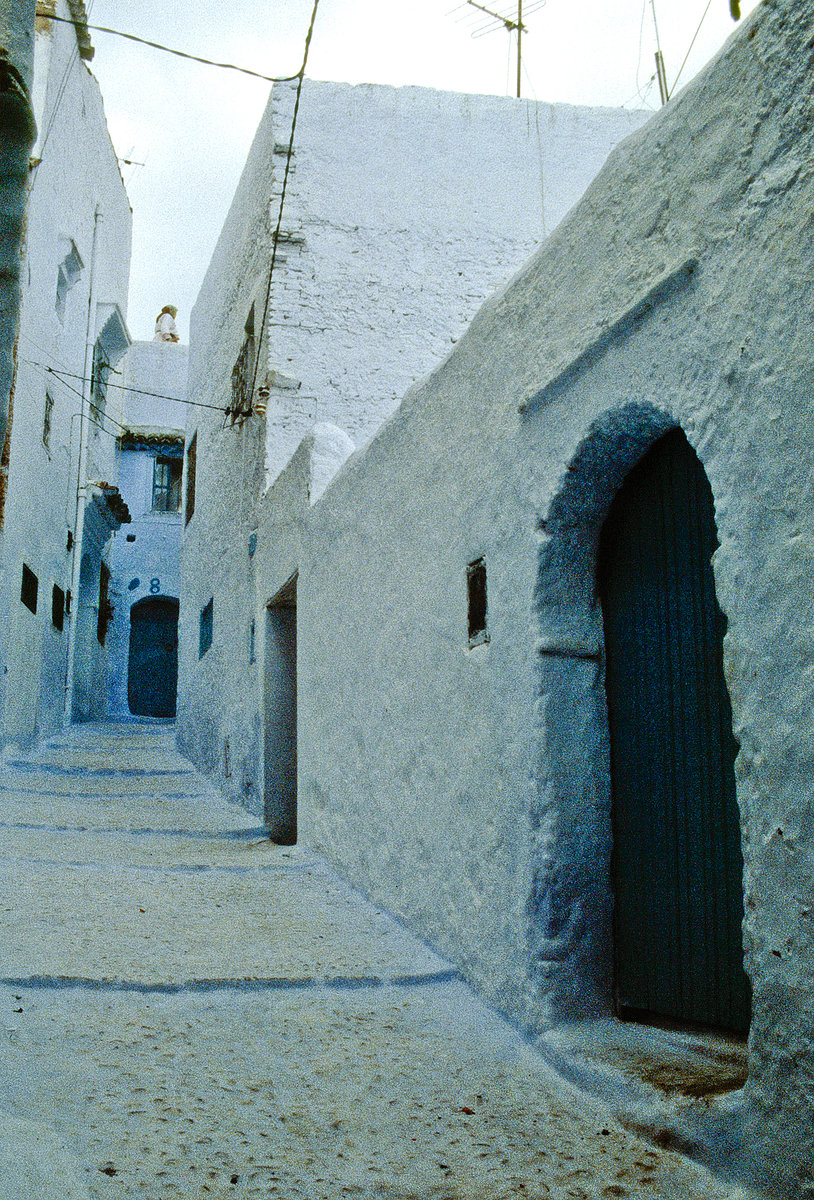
[59, 501]
[534, 669]
[404, 208]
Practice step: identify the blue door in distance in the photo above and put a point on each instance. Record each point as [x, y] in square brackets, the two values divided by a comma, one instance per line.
[152, 675]
[677, 864]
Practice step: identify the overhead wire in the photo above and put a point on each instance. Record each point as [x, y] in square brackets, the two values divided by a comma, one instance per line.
[123, 387]
[539, 147]
[63, 83]
[641, 94]
[132, 37]
[692, 43]
[299, 77]
[104, 416]
[47, 15]
[279, 225]
[639, 57]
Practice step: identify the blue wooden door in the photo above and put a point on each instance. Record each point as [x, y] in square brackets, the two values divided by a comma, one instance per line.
[152, 673]
[677, 863]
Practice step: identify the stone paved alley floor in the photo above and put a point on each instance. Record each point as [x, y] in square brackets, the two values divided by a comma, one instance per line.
[189, 1011]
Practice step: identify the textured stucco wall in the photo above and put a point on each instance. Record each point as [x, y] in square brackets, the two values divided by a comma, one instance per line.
[468, 790]
[149, 548]
[405, 208]
[41, 490]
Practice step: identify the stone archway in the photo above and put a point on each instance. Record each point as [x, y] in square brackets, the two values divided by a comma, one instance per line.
[677, 866]
[571, 904]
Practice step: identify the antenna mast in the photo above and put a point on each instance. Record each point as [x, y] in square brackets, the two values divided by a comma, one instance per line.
[508, 21]
[661, 74]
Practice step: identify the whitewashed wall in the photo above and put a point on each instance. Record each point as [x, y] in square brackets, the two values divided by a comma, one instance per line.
[41, 486]
[468, 789]
[405, 208]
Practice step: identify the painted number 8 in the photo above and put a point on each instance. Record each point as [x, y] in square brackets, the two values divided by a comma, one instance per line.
[155, 587]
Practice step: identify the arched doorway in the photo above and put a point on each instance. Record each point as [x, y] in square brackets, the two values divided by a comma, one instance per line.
[152, 673]
[676, 860]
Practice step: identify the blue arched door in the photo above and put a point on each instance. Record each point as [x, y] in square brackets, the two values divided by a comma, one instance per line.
[152, 674]
[677, 863]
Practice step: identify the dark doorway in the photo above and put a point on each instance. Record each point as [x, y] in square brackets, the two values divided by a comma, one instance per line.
[281, 716]
[677, 862]
[152, 674]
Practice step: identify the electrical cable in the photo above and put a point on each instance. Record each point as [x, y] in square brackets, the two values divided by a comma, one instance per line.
[104, 416]
[63, 83]
[208, 62]
[692, 43]
[90, 419]
[122, 386]
[509, 68]
[641, 41]
[42, 350]
[539, 147]
[278, 228]
[641, 94]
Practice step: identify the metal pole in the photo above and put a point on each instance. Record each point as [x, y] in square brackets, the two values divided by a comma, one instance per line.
[660, 71]
[81, 473]
[662, 77]
[519, 36]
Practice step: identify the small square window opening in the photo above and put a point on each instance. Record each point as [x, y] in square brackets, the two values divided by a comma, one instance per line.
[205, 628]
[29, 588]
[46, 420]
[476, 592]
[58, 608]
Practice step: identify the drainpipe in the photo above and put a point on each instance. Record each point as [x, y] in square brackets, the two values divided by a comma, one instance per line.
[18, 134]
[81, 473]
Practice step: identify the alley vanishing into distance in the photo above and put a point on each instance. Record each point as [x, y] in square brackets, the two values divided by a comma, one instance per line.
[191, 1011]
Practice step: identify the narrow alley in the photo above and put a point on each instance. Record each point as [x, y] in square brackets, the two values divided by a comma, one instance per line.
[190, 1011]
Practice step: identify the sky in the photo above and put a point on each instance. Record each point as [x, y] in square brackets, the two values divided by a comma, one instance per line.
[190, 126]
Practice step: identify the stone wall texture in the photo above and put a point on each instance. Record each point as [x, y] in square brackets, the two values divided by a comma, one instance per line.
[468, 789]
[404, 209]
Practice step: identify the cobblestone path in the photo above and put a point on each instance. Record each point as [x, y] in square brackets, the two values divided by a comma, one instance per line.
[193, 1012]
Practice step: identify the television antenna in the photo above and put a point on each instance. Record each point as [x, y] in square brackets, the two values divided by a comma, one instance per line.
[511, 19]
